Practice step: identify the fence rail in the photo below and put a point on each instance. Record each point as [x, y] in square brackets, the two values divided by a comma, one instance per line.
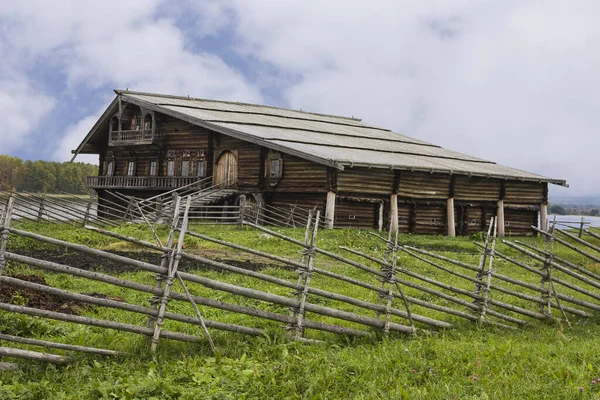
[387, 296]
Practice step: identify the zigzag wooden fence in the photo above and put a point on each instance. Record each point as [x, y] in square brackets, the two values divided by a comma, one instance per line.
[388, 297]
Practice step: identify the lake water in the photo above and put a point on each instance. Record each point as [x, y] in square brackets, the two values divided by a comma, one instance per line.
[594, 221]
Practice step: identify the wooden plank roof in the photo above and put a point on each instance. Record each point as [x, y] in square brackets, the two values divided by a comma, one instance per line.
[327, 139]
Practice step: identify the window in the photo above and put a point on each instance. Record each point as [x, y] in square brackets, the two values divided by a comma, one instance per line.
[130, 168]
[110, 168]
[275, 168]
[200, 171]
[171, 168]
[185, 168]
[152, 168]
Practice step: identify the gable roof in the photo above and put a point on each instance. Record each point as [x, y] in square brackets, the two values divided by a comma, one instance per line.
[326, 139]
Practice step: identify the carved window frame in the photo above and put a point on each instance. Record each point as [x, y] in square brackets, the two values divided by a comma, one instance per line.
[273, 159]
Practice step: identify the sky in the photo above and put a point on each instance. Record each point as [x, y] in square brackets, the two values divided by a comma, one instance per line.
[515, 82]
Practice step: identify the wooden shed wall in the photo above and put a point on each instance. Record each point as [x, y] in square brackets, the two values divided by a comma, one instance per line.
[356, 214]
[377, 182]
[477, 189]
[423, 185]
[430, 220]
[524, 192]
[300, 175]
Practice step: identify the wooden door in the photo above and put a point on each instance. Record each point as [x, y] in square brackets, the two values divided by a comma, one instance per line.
[226, 169]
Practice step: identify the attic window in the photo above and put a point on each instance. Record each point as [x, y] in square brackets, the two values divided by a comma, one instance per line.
[275, 168]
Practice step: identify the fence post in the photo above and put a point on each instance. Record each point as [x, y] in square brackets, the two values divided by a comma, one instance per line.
[41, 209]
[165, 257]
[242, 211]
[581, 228]
[309, 252]
[4, 231]
[492, 233]
[174, 259]
[86, 218]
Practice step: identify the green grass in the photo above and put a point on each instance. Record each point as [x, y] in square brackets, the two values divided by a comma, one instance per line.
[542, 360]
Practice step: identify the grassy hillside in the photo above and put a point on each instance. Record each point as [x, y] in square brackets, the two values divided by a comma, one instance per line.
[542, 360]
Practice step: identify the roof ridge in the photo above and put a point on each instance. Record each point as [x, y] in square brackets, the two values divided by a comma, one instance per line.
[169, 96]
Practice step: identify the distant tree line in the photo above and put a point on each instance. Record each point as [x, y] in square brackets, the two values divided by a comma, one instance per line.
[574, 209]
[44, 176]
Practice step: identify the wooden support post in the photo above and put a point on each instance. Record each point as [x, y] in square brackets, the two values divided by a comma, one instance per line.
[500, 218]
[394, 213]
[380, 221]
[451, 223]
[330, 210]
[242, 211]
[581, 228]
[544, 217]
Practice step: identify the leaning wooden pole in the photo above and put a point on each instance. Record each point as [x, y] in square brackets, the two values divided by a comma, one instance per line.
[33, 355]
[101, 323]
[378, 308]
[281, 282]
[61, 346]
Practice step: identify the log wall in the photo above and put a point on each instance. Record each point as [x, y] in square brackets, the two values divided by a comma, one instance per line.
[371, 182]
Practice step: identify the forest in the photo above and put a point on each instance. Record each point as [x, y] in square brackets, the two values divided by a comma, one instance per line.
[44, 176]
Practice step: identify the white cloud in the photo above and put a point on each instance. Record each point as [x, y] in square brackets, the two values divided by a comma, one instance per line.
[515, 82]
[94, 45]
[74, 134]
[511, 81]
[22, 108]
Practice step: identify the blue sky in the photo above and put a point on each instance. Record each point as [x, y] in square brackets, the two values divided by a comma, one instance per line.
[511, 81]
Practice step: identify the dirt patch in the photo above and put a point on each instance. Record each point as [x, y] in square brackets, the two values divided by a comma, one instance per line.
[32, 298]
[93, 263]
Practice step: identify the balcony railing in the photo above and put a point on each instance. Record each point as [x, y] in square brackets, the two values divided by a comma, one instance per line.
[145, 136]
[140, 182]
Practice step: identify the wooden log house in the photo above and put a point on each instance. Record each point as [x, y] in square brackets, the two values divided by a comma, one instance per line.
[358, 174]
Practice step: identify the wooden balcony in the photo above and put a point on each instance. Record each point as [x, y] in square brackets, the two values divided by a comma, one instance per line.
[140, 182]
[131, 137]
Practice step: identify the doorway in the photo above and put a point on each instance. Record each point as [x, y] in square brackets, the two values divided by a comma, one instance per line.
[226, 172]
